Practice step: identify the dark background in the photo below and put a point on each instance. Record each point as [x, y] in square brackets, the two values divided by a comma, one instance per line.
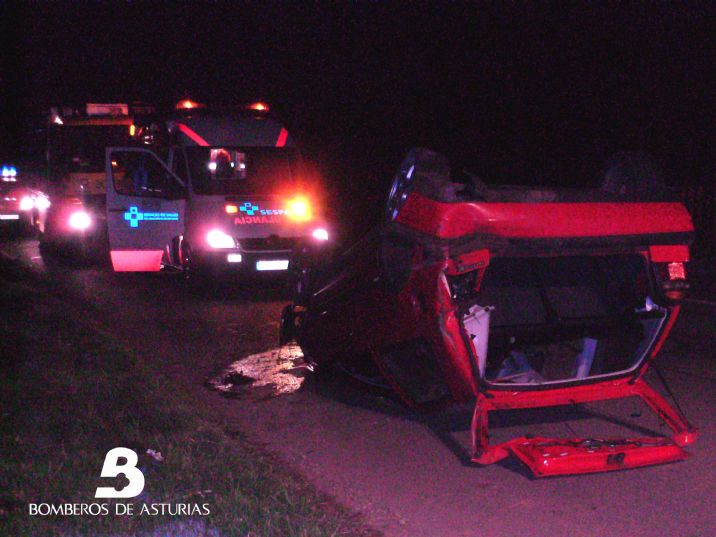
[522, 95]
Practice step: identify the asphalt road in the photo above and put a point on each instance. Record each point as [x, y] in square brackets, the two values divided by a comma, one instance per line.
[407, 473]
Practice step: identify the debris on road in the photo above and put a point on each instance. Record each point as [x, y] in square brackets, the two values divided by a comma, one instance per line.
[278, 371]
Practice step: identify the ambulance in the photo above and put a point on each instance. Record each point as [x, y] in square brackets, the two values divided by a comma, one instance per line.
[210, 191]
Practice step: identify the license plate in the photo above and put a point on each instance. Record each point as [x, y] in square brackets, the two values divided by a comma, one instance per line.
[272, 264]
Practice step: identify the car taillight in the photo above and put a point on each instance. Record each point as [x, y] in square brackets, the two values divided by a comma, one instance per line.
[676, 271]
[672, 278]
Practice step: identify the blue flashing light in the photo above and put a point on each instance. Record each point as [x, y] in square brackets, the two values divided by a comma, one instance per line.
[9, 171]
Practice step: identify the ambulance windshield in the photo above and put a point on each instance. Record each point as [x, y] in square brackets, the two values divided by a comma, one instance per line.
[239, 170]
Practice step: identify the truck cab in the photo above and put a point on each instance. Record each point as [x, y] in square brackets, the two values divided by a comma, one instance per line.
[210, 191]
[75, 224]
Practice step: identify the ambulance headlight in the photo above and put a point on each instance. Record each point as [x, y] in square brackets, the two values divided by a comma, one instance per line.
[27, 203]
[320, 234]
[218, 239]
[80, 220]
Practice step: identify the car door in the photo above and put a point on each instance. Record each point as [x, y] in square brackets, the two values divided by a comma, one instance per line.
[146, 204]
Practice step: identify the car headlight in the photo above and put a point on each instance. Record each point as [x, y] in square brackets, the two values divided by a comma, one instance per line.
[218, 239]
[27, 203]
[320, 234]
[80, 220]
[42, 203]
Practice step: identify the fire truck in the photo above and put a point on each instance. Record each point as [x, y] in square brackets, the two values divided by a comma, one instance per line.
[203, 190]
[76, 224]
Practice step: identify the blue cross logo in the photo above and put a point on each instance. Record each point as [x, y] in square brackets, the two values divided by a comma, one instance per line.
[249, 208]
[134, 216]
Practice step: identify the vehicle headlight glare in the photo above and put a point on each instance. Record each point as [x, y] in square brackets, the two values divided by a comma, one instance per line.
[42, 203]
[320, 234]
[80, 220]
[218, 239]
[26, 204]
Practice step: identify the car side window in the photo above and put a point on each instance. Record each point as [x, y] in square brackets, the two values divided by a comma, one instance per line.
[140, 173]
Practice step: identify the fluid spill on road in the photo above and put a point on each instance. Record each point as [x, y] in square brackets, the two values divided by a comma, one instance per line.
[274, 372]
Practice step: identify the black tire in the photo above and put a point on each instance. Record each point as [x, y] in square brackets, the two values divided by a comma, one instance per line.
[48, 248]
[287, 330]
[193, 276]
[633, 173]
[94, 249]
[324, 373]
[185, 259]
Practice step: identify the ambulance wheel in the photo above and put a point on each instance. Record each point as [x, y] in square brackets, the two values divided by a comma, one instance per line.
[192, 273]
[185, 258]
[94, 249]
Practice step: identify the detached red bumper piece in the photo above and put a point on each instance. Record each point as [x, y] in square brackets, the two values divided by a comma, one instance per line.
[510, 297]
[553, 456]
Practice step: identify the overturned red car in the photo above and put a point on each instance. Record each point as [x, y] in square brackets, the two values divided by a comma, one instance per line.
[510, 297]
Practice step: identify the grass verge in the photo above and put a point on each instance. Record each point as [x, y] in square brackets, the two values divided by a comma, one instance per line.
[69, 392]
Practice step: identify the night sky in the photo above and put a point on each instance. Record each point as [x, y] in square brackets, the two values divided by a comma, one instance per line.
[521, 95]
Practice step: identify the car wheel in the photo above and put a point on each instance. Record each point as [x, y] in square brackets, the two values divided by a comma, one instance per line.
[323, 372]
[287, 330]
[400, 189]
[629, 173]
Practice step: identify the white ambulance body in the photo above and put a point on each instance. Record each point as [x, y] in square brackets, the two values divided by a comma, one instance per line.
[225, 192]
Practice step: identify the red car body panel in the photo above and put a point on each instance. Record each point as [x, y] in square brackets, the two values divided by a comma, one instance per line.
[542, 220]
[357, 307]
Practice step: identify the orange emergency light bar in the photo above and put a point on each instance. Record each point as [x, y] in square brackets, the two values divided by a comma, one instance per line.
[258, 106]
[299, 209]
[188, 104]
